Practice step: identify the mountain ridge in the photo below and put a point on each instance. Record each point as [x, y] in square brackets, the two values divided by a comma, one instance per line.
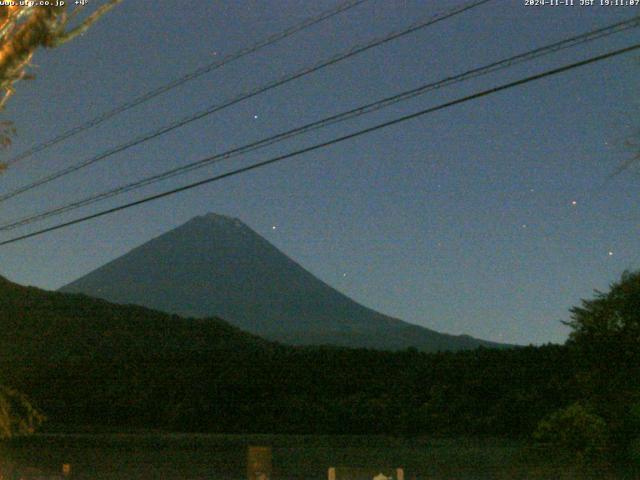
[215, 265]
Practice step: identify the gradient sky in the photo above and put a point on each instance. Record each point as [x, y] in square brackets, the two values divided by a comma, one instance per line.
[462, 221]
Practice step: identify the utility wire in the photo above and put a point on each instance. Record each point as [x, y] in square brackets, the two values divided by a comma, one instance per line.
[308, 22]
[334, 141]
[347, 115]
[215, 108]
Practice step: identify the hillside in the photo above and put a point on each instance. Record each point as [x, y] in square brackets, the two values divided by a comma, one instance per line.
[36, 322]
[217, 266]
[88, 363]
[84, 360]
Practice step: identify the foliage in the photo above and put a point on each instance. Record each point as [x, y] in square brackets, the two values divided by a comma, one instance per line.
[610, 319]
[606, 343]
[632, 143]
[634, 443]
[634, 453]
[24, 29]
[576, 430]
[88, 362]
[17, 415]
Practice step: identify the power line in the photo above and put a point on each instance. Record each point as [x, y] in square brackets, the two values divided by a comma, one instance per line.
[215, 108]
[318, 146]
[308, 22]
[374, 106]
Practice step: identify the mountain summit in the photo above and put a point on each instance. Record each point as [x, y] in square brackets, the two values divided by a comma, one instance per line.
[215, 265]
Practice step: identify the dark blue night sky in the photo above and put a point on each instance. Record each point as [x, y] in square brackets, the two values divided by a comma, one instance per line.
[490, 218]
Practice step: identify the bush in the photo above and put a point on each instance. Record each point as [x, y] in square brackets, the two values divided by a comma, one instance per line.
[575, 430]
[634, 452]
[634, 433]
[606, 344]
[17, 415]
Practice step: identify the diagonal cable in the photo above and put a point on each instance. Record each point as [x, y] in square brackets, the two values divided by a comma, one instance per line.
[252, 93]
[186, 78]
[328, 143]
[356, 112]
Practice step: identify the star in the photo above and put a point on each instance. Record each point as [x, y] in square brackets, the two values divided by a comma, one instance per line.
[274, 227]
[610, 253]
[255, 117]
[574, 203]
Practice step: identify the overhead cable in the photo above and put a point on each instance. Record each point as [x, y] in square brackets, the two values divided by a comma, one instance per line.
[327, 121]
[99, 119]
[243, 96]
[325, 144]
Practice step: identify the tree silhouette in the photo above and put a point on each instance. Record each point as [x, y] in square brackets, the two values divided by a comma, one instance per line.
[606, 339]
[24, 29]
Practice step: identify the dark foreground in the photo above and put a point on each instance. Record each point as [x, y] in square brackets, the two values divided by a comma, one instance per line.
[223, 457]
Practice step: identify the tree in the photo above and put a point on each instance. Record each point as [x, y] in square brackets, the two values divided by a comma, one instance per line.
[633, 144]
[575, 430]
[24, 29]
[17, 415]
[606, 340]
[609, 317]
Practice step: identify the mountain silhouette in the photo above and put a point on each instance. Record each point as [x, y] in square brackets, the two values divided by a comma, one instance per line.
[215, 265]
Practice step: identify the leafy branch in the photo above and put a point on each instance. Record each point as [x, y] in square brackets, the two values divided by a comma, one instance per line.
[24, 29]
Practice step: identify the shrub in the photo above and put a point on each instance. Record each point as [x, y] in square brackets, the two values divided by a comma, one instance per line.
[634, 433]
[575, 430]
[17, 415]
